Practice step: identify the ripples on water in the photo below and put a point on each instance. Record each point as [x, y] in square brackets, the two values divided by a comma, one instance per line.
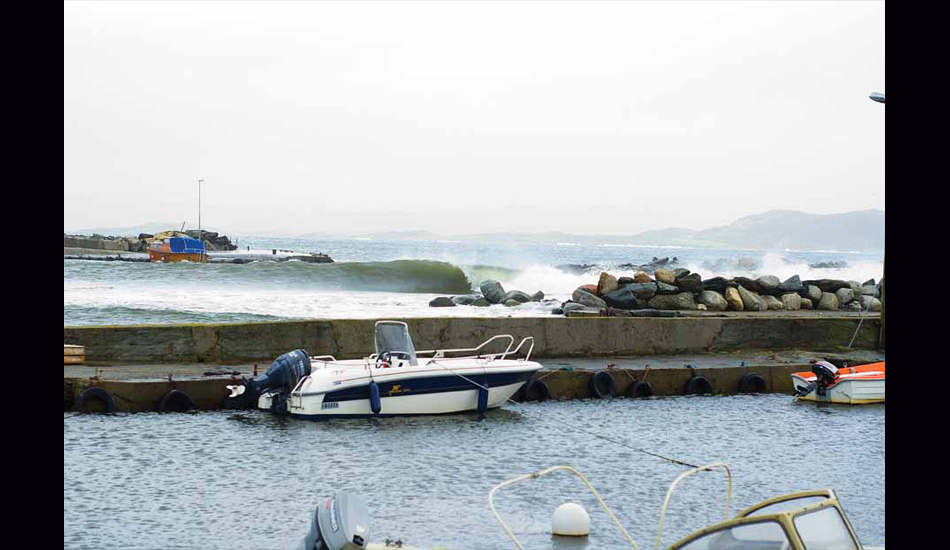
[234, 480]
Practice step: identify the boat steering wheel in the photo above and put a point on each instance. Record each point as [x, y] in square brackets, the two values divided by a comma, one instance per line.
[384, 359]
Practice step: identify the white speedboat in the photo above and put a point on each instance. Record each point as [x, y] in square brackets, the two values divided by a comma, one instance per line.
[396, 380]
[850, 385]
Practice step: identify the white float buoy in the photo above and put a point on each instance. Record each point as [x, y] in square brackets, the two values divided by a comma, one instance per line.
[570, 520]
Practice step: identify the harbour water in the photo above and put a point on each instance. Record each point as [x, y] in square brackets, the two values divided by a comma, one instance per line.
[249, 480]
[373, 279]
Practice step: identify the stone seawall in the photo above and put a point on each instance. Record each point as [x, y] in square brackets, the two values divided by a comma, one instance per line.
[553, 337]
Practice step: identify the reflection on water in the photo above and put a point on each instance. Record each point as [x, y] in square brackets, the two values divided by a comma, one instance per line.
[251, 480]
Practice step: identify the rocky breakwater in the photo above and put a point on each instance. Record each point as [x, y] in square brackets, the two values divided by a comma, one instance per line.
[213, 241]
[669, 291]
[491, 292]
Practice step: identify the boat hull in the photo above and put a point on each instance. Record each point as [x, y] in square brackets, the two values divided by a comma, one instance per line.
[861, 385]
[404, 392]
[161, 256]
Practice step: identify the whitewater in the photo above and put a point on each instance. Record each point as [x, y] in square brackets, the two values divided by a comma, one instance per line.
[395, 279]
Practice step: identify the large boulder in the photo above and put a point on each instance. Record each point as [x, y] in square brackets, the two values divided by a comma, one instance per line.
[792, 284]
[807, 304]
[875, 304]
[537, 296]
[663, 288]
[844, 295]
[680, 272]
[589, 288]
[624, 281]
[690, 282]
[607, 283]
[750, 300]
[792, 301]
[622, 298]
[746, 282]
[767, 284]
[492, 291]
[772, 303]
[870, 290]
[828, 285]
[719, 284]
[812, 292]
[681, 301]
[574, 306]
[643, 291]
[481, 302]
[442, 301]
[828, 302]
[713, 300]
[734, 299]
[667, 276]
[587, 299]
[464, 300]
[517, 296]
[642, 277]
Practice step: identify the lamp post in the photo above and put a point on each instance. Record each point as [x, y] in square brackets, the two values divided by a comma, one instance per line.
[200, 240]
[879, 97]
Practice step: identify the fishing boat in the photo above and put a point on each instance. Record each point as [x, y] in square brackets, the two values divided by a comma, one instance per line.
[850, 385]
[397, 380]
[176, 247]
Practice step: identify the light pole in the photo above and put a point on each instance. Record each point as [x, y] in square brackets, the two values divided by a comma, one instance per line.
[200, 240]
[879, 97]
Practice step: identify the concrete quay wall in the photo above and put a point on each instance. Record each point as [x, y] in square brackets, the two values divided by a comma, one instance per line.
[553, 337]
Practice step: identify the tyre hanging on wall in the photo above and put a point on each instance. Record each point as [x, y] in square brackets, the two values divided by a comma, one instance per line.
[90, 396]
[602, 385]
[639, 390]
[176, 401]
[752, 383]
[535, 390]
[698, 385]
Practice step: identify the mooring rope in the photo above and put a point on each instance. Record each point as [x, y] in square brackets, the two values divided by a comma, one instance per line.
[573, 427]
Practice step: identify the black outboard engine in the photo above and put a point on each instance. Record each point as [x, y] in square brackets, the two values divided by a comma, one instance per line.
[281, 378]
[339, 523]
[825, 375]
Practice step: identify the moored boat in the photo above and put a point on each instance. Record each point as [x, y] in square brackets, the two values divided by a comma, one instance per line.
[177, 249]
[397, 380]
[850, 385]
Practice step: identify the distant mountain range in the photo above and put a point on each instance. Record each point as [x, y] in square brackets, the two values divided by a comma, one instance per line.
[774, 230]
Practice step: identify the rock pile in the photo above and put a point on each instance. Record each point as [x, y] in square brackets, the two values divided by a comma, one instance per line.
[681, 290]
[491, 292]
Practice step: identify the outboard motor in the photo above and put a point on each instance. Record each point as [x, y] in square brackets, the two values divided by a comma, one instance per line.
[340, 523]
[281, 378]
[825, 375]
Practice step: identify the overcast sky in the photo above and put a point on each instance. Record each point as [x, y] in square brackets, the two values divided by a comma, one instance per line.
[460, 117]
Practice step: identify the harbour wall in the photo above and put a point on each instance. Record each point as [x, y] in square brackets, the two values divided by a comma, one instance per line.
[233, 343]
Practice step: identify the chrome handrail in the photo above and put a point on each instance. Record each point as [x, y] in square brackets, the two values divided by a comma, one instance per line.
[530, 349]
[440, 353]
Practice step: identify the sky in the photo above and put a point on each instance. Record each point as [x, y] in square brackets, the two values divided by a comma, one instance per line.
[468, 117]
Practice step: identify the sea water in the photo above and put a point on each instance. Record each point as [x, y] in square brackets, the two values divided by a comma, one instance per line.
[249, 480]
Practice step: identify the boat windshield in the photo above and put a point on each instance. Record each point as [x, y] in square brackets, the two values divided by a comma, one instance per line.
[392, 337]
[759, 535]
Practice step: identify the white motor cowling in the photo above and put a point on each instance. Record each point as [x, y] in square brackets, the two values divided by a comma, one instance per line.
[339, 523]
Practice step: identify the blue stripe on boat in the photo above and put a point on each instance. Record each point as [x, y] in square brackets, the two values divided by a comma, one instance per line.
[434, 384]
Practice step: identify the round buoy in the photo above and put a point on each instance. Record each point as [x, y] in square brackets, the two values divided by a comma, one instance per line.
[95, 399]
[570, 520]
[176, 401]
[698, 385]
[602, 385]
[535, 390]
[752, 383]
[640, 390]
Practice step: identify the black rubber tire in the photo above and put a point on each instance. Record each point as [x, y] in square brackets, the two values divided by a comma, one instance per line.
[176, 401]
[602, 385]
[93, 395]
[752, 383]
[639, 390]
[535, 390]
[697, 385]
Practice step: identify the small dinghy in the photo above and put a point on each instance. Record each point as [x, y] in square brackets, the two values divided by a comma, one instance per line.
[851, 385]
[397, 380]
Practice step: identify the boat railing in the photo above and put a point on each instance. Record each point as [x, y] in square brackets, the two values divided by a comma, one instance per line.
[530, 349]
[440, 353]
[323, 358]
[684, 475]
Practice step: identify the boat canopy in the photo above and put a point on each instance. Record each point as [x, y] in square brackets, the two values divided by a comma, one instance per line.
[185, 245]
[392, 337]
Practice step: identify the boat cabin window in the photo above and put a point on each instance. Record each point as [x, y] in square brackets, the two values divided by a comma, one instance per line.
[760, 535]
[392, 339]
[825, 529]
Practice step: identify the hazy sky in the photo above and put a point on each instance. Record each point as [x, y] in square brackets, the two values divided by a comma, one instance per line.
[460, 117]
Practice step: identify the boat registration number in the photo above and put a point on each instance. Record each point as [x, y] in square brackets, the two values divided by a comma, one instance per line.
[332, 405]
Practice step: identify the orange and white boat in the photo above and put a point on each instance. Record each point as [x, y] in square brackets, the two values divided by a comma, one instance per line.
[850, 385]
